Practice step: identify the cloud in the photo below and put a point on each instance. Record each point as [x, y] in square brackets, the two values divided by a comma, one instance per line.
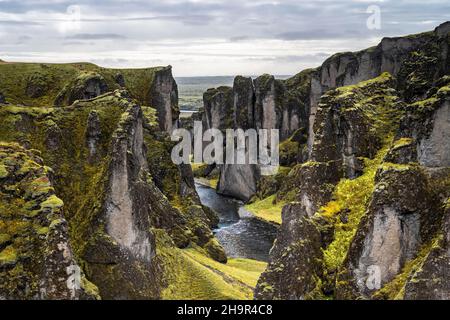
[206, 36]
[96, 36]
[18, 23]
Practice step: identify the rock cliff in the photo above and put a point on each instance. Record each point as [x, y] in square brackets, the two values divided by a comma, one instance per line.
[374, 192]
[110, 187]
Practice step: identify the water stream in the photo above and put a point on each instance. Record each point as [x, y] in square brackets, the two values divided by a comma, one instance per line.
[241, 237]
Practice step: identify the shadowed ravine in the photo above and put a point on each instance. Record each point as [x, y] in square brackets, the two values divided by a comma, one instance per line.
[240, 237]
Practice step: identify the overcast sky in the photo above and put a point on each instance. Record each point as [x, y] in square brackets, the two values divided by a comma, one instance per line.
[204, 37]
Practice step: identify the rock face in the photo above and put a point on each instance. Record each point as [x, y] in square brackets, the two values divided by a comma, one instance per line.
[376, 182]
[397, 56]
[243, 103]
[435, 266]
[434, 149]
[93, 134]
[393, 229]
[293, 267]
[111, 166]
[268, 92]
[238, 181]
[218, 107]
[265, 103]
[36, 258]
[127, 220]
[164, 98]
[86, 86]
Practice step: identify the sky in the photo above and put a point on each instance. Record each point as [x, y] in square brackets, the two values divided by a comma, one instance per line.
[206, 37]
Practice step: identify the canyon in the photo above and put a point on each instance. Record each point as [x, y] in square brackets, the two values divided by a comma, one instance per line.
[87, 181]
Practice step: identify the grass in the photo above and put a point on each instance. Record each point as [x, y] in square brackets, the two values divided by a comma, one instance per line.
[267, 209]
[246, 271]
[55, 78]
[194, 276]
[212, 183]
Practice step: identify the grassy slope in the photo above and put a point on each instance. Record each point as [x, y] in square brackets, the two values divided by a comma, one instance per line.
[192, 275]
[267, 209]
[14, 78]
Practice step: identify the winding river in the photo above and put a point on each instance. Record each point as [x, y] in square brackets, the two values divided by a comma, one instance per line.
[241, 237]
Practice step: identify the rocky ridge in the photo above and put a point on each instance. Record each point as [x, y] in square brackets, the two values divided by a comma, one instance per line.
[374, 189]
[116, 187]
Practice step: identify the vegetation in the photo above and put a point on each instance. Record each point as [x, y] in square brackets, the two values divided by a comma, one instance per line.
[40, 84]
[213, 280]
[350, 200]
[268, 209]
[395, 289]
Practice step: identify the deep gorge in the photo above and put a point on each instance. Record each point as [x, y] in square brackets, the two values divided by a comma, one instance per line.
[87, 182]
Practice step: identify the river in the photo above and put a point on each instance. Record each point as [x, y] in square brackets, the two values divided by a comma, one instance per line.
[241, 237]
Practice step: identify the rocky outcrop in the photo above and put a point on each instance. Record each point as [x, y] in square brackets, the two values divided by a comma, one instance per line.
[392, 231]
[37, 85]
[86, 86]
[400, 57]
[164, 98]
[268, 102]
[112, 168]
[243, 103]
[352, 123]
[295, 258]
[36, 257]
[93, 134]
[238, 181]
[434, 149]
[218, 108]
[434, 266]
[380, 198]
[265, 103]
[127, 220]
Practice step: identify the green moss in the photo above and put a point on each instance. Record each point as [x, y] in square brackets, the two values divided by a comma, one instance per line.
[3, 171]
[4, 238]
[8, 255]
[289, 151]
[268, 209]
[395, 166]
[402, 142]
[209, 182]
[351, 196]
[53, 202]
[246, 271]
[54, 80]
[90, 288]
[151, 115]
[55, 223]
[42, 230]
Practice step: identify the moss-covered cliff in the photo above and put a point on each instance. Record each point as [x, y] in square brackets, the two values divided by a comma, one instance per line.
[369, 217]
[112, 180]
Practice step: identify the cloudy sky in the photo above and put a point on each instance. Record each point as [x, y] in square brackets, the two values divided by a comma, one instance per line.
[205, 37]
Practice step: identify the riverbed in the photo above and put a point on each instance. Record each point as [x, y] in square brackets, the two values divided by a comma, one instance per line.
[245, 237]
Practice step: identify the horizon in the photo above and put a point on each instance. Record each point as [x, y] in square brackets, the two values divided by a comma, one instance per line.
[206, 37]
